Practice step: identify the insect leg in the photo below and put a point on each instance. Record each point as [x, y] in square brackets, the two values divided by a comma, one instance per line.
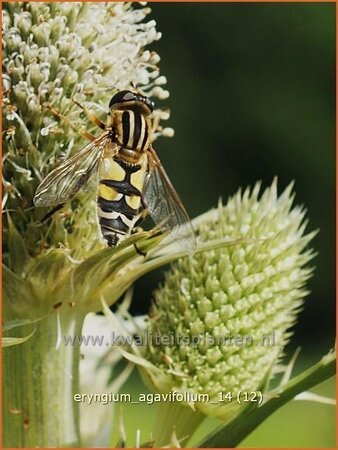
[50, 213]
[90, 116]
[137, 227]
[144, 206]
[139, 251]
[143, 214]
[56, 113]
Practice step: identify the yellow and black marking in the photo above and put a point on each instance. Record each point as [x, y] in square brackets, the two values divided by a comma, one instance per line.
[132, 130]
[119, 201]
[123, 157]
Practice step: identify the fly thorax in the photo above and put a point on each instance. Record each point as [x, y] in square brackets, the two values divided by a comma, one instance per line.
[132, 130]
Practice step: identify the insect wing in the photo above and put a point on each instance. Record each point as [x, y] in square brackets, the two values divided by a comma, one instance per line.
[165, 206]
[67, 179]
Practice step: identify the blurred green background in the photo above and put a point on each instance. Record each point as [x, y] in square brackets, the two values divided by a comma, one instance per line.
[298, 424]
[253, 96]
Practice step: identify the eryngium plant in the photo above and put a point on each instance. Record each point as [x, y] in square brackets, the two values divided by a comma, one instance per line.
[221, 319]
[55, 271]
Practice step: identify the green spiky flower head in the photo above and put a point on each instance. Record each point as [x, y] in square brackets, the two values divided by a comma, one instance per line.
[221, 319]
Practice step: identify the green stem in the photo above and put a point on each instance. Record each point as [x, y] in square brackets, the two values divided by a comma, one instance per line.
[39, 381]
[232, 433]
[174, 417]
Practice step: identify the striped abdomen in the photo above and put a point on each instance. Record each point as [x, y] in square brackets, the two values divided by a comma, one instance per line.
[119, 196]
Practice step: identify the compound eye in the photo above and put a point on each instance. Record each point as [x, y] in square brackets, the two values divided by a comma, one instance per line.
[122, 96]
[129, 96]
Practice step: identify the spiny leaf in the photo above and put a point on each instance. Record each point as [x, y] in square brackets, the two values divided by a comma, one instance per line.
[96, 276]
[10, 341]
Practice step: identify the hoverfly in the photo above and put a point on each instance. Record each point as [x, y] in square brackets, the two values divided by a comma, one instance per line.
[130, 177]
